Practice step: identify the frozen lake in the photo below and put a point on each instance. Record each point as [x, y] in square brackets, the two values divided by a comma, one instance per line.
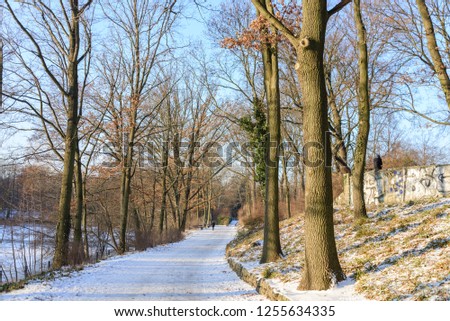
[24, 249]
[28, 248]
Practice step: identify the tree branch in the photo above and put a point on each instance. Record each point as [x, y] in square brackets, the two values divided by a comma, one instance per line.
[275, 22]
[38, 52]
[338, 7]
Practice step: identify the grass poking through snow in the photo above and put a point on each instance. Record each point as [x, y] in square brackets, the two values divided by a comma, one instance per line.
[400, 253]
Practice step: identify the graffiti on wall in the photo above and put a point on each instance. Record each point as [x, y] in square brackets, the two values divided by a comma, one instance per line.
[410, 183]
[373, 188]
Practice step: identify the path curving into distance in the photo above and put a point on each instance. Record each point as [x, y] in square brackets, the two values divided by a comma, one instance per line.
[193, 269]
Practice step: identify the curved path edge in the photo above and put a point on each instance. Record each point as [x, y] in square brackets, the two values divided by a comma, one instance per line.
[261, 285]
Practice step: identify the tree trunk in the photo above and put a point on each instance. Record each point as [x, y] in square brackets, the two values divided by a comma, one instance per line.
[339, 151]
[85, 232]
[286, 182]
[272, 246]
[125, 189]
[63, 228]
[77, 246]
[438, 63]
[66, 80]
[187, 191]
[138, 232]
[1, 73]
[163, 212]
[209, 202]
[295, 191]
[322, 265]
[153, 208]
[252, 195]
[363, 115]
[179, 166]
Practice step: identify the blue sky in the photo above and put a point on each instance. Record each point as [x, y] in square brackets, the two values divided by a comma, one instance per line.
[194, 30]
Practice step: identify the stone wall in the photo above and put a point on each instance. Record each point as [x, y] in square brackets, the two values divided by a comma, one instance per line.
[401, 185]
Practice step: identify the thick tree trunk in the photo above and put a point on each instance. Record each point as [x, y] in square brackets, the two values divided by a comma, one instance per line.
[271, 245]
[439, 66]
[63, 228]
[322, 265]
[363, 115]
[125, 190]
[187, 191]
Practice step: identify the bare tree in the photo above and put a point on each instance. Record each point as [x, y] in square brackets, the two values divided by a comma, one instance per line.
[339, 75]
[272, 244]
[438, 64]
[267, 139]
[321, 260]
[141, 29]
[240, 70]
[60, 35]
[421, 38]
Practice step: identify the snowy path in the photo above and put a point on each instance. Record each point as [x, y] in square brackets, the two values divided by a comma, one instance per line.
[194, 269]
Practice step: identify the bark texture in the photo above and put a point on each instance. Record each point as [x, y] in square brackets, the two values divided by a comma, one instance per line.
[77, 246]
[322, 265]
[1, 73]
[438, 63]
[363, 116]
[272, 245]
[125, 186]
[63, 228]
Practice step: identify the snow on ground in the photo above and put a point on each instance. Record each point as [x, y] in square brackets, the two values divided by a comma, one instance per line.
[401, 252]
[193, 269]
[32, 247]
[343, 291]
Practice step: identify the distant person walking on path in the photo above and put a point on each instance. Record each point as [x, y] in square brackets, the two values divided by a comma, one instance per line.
[213, 224]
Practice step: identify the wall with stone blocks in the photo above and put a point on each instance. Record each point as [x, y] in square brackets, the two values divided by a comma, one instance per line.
[401, 185]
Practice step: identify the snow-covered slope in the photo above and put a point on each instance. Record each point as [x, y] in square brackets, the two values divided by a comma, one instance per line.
[194, 269]
[401, 252]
